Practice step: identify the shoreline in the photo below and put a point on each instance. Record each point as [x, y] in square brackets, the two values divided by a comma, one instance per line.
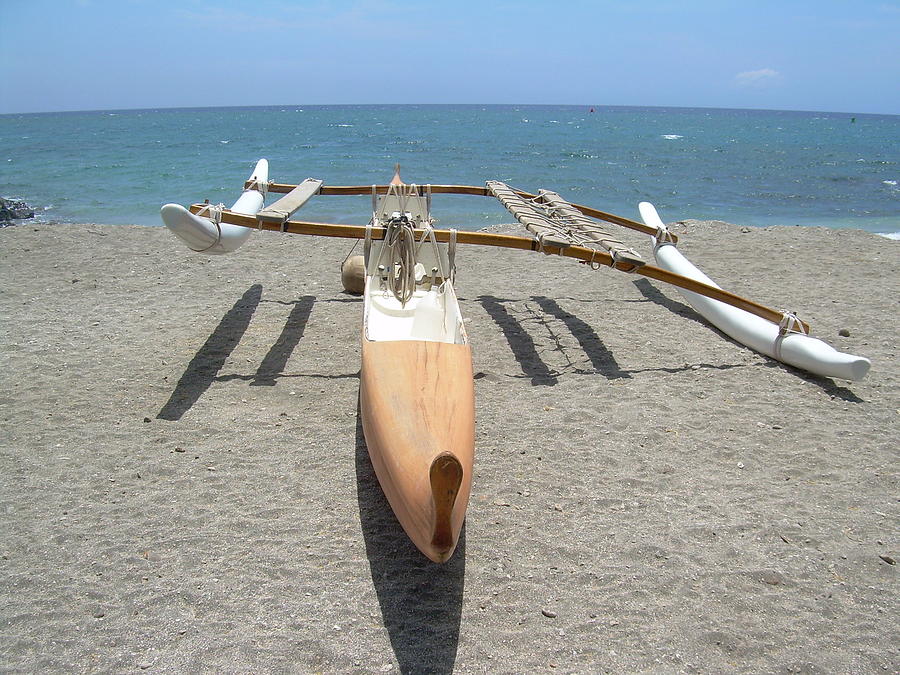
[186, 487]
[155, 221]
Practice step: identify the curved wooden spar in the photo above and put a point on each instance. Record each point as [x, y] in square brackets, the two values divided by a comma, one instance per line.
[475, 190]
[582, 253]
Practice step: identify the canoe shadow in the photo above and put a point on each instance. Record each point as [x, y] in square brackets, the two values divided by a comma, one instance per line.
[203, 369]
[828, 385]
[657, 297]
[421, 601]
[525, 350]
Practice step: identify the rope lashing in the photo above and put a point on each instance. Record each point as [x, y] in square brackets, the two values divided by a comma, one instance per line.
[451, 255]
[260, 186]
[556, 222]
[213, 213]
[789, 325]
[663, 237]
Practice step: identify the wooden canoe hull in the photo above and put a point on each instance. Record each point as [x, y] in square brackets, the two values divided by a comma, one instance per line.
[417, 403]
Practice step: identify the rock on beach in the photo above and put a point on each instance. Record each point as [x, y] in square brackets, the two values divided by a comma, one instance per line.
[13, 209]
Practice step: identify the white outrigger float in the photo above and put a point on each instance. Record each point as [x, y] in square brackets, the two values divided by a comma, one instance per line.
[417, 400]
[204, 232]
[784, 341]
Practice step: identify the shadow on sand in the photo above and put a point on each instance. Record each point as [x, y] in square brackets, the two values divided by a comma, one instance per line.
[208, 361]
[521, 343]
[421, 601]
[276, 358]
[601, 357]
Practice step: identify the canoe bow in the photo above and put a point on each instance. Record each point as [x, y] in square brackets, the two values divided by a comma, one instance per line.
[417, 402]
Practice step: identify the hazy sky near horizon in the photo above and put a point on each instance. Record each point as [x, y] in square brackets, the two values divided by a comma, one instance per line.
[825, 55]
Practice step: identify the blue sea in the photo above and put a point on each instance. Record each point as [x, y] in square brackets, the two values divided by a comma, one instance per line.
[750, 167]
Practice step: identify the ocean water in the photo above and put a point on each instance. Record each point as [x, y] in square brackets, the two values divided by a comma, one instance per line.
[750, 167]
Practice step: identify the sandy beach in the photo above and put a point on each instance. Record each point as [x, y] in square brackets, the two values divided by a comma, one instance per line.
[185, 487]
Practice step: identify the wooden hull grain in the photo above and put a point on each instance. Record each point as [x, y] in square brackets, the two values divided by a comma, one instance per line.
[417, 402]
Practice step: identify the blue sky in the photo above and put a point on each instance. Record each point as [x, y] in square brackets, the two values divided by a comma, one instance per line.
[828, 55]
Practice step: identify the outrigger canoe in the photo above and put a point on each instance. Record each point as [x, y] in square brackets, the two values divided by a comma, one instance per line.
[416, 386]
[416, 390]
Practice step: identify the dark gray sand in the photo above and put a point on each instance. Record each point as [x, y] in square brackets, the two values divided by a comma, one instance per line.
[184, 485]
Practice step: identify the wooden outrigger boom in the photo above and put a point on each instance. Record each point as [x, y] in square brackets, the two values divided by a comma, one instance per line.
[584, 254]
[569, 230]
[473, 190]
[281, 210]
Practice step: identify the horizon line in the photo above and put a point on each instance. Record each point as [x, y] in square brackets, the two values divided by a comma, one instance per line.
[412, 105]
